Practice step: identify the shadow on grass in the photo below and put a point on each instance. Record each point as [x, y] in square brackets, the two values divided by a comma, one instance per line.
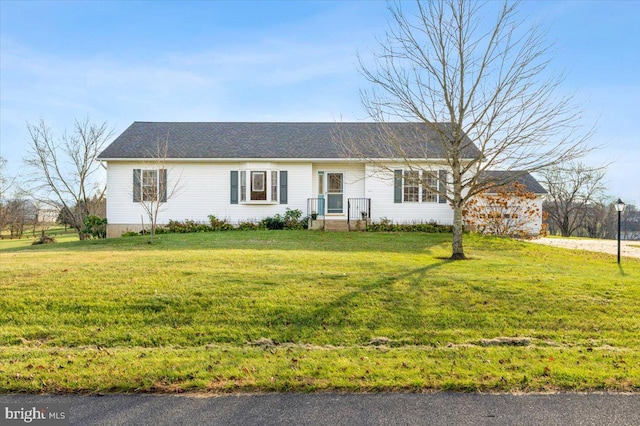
[621, 270]
[325, 315]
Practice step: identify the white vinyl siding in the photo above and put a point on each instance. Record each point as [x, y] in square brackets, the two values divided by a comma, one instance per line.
[380, 188]
[202, 190]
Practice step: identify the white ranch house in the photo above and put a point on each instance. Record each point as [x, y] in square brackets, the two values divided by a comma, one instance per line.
[248, 171]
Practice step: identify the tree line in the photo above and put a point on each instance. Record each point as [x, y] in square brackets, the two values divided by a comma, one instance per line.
[577, 204]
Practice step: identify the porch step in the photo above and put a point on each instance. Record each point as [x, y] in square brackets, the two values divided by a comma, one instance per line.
[336, 225]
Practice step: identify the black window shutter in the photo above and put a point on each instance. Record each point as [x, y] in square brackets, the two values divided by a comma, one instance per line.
[397, 186]
[162, 184]
[442, 186]
[137, 190]
[283, 187]
[234, 187]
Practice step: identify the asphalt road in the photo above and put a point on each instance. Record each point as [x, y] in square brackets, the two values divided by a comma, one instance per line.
[344, 409]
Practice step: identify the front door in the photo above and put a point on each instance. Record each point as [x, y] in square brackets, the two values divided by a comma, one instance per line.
[335, 194]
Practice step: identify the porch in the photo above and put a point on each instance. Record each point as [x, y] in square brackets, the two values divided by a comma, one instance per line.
[356, 218]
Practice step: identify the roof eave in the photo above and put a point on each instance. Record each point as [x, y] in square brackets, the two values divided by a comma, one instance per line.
[280, 159]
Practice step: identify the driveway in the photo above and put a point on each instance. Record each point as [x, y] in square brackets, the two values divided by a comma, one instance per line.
[342, 409]
[627, 248]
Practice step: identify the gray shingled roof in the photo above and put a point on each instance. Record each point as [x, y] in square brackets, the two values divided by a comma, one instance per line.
[261, 140]
[502, 176]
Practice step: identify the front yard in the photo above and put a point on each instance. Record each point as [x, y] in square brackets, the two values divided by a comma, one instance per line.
[307, 311]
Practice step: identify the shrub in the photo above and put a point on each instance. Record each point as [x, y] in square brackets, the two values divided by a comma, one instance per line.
[95, 226]
[219, 225]
[248, 226]
[273, 223]
[133, 233]
[386, 225]
[293, 219]
[186, 226]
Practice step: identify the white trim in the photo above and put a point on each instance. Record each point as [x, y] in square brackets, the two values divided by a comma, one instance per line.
[288, 160]
[268, 185]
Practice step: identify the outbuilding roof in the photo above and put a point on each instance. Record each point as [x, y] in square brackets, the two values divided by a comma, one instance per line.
[500, 176]
[268, 140]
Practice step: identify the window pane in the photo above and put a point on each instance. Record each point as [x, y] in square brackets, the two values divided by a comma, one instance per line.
[320, 183]
[257, 181]
[411, 188]
[335, 182]
[258, 186]
[274, 186]
[149, 185]
[335, 203]
[243, 186]
[429, 187]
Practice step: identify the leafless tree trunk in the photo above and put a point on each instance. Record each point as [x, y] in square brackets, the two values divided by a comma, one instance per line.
[5, 186]
[64, 170]
[574, 190]
[155, 184]
[469, 79]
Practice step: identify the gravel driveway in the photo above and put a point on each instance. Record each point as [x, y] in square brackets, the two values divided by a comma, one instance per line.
[628, 248]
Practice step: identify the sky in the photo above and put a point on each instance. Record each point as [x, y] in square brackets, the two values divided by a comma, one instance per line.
[125, 61]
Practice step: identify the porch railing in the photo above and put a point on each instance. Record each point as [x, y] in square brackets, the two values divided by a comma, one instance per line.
[358, 209]
[315, 209]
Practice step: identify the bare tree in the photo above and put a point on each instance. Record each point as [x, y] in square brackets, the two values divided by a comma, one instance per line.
[152, 185]
[631, 222]
[574, 193]
[5, 186]
[598, 219]
[470, 81]
[18, 212]
[64, 170]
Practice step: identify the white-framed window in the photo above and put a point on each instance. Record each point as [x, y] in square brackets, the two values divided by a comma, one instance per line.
[258, 186]
[422, 186]
[429, 187]
[411, 188]
[149, 185]
[258, 190]
[243, 187]
[274, 186]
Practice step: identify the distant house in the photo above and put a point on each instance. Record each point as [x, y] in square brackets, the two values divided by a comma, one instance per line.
[248, 171]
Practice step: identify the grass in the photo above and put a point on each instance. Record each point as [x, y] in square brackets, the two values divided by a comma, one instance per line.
[61, 234]
[309, 311]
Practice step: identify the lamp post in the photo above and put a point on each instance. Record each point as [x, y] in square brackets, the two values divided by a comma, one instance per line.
[619, 207]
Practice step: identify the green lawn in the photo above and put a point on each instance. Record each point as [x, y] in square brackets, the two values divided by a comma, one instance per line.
[305, 311]
[60, 234]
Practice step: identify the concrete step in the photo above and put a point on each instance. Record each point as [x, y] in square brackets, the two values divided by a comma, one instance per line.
[336, 225]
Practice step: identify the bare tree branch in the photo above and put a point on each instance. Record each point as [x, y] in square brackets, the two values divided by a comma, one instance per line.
[63, 170]
[473, 80]
[572, 190]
